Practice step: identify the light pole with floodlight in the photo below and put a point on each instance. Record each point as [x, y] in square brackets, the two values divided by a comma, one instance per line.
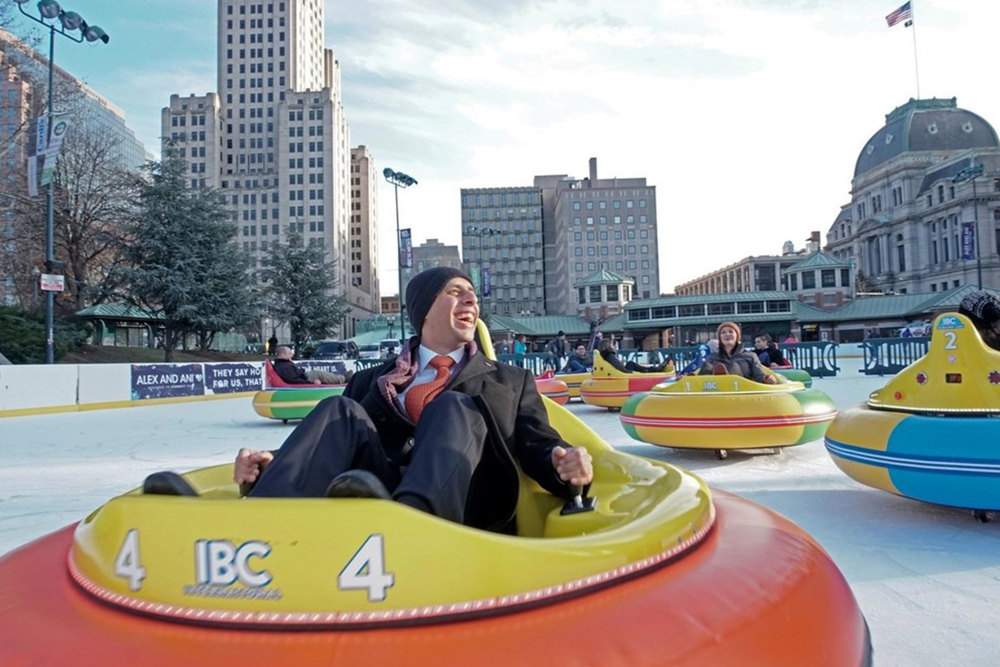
[68, 23]
[399, 180]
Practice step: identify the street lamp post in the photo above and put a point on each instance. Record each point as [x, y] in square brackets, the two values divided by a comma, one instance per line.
[399, 180]
[480, 232]
[68, 23]
[971, 173]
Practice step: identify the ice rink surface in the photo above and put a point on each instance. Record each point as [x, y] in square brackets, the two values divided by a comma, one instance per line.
[926, 577]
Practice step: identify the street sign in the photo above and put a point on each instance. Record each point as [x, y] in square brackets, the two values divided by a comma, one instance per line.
[52, 282]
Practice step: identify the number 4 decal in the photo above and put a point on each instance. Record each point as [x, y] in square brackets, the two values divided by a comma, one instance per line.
[127, 563]
[366, 570]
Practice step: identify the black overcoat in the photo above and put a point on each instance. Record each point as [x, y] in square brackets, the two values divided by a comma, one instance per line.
[517, 424]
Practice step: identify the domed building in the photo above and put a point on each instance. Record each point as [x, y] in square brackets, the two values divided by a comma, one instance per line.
[926, 186]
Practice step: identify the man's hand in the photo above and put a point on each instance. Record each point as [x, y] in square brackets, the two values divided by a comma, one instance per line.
[573, 465]
[249, 465]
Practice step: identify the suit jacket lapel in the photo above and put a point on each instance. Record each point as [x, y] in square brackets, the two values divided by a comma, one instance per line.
[477, 365]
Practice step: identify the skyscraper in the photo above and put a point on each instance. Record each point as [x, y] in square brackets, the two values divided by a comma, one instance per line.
[274, 139]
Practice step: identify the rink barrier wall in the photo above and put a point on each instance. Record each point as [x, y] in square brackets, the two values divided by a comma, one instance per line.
[40, 389]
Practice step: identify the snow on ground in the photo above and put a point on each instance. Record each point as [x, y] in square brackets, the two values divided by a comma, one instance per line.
[926, 577]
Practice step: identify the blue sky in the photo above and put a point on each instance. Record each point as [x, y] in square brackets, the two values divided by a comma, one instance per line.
[748, 115]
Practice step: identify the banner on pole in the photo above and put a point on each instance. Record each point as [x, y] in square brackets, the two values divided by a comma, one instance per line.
[36, 147]
[968, 240]
[58, 132]
[487, 284]
[405, 249]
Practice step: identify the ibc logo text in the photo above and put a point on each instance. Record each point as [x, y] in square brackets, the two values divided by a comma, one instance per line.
[222, 563]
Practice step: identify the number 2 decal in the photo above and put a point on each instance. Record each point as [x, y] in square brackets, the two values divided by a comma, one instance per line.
[950, 345]
[366, 570]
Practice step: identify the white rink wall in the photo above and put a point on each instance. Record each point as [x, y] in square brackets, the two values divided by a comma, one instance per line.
[26, 389]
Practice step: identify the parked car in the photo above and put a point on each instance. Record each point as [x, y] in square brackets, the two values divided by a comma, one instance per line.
[369, 351]
[336, 349]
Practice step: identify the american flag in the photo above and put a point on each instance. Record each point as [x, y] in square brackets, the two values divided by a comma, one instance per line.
[904, 13]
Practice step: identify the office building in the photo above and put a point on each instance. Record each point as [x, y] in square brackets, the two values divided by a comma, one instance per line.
[538, 242]
[502, 248]
[598, 223]
[282, 157]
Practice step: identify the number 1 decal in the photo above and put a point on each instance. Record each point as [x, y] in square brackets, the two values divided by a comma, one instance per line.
[127, 563]
[366, 570]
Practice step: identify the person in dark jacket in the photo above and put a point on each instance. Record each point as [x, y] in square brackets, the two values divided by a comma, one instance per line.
[291, 373]
[580, 361]
[607, 350]
[768, 352]
[731, 358]
[441, 428]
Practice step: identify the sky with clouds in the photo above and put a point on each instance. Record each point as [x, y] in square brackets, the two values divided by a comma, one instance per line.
[747, 115]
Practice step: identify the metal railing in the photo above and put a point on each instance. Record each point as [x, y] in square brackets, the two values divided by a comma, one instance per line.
[888, 356]
[536, 362]
[818, 358]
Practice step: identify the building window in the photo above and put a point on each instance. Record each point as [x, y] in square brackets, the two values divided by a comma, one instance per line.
[726, 308]
[828, 278]
[808, 280]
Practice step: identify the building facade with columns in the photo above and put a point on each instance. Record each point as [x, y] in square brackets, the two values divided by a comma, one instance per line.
[924, 214]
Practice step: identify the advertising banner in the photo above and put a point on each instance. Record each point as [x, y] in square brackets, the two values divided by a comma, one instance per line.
[231, 377]
[487, 285]
[39, 129]
[405, 249]
[477, 279]
[59, 126]
[337, 367]
[968, 240]
[167, 380]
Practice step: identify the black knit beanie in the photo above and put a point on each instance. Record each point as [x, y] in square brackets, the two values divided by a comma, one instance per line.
[423, 288]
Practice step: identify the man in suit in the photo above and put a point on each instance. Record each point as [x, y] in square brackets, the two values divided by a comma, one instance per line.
[441, 428]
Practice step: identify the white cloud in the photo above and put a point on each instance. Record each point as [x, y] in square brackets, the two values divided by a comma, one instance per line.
[747, 115]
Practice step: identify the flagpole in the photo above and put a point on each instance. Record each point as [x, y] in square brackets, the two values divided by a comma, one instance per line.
[916, 69]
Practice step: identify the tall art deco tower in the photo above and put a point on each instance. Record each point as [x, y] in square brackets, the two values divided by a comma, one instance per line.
[274, 140]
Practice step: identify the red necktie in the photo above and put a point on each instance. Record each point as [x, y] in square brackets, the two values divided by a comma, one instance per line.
[418, 397]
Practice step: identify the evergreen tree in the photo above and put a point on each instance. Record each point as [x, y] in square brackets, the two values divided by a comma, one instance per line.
[183, 262]
[302, 289]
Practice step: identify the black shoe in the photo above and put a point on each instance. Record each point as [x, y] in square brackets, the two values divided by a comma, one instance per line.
[167, 483]
[357, 484]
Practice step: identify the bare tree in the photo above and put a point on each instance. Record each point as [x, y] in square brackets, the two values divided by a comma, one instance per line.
[93, 199]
